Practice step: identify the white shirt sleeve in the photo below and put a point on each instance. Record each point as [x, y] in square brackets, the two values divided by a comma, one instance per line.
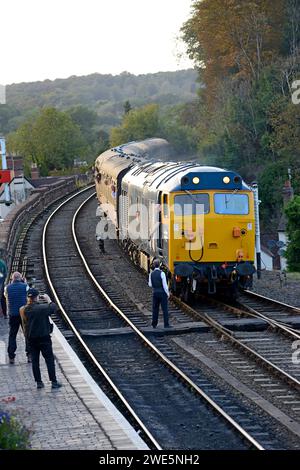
[164, 282]
[149, 281]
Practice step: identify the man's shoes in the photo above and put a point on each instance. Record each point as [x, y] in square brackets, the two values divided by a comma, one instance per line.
[40, 385]
[29, 358]
[11, 360]
[56, 385]
[169, 326]
[154, 326]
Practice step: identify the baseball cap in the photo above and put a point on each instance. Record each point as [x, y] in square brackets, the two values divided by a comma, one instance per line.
[32, 292]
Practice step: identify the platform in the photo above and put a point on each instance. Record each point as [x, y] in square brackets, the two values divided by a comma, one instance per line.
[78, 416]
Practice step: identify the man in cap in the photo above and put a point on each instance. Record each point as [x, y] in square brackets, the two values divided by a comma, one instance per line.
[15, 294]
[158, 282]
[38, 329]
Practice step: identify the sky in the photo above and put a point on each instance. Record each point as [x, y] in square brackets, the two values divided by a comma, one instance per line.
[48, 39]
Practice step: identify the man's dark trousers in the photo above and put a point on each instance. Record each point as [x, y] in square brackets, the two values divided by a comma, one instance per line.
[14, 323]
[3, 301]
[42, 344]
[160, 298]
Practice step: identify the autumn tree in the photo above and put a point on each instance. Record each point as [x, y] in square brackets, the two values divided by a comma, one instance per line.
[230, 37]
[247, 54]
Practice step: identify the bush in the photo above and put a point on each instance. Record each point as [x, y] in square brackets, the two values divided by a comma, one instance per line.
[292, 212]
[13, 435]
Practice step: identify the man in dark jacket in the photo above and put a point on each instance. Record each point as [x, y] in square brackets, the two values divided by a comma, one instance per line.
[158, 282]
[3, 274]
[35, 316]
[15, 294]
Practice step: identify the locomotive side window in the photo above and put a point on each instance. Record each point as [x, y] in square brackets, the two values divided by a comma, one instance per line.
[191, 204]
[233, 204]
[165, 206]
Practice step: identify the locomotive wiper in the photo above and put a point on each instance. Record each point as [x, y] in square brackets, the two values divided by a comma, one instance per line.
[230, 196]
[190, 194]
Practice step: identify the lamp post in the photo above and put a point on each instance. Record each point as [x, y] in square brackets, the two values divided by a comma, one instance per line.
[257, 229]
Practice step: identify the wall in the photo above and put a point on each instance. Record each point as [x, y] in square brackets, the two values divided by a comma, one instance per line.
[12, 226]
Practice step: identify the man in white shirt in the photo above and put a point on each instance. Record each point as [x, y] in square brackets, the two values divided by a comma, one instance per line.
[158, 282]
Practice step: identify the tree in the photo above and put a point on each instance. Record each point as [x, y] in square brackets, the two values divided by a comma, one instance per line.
[293, 231]
[230, 37]
[86, 119]
[51, 140]
[138, 124]
[127, 107]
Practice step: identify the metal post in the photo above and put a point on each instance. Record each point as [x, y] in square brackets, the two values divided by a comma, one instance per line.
[4, 167]
[257, 229]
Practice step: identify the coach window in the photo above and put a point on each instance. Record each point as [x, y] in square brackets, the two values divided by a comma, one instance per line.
[165, 206]
[232, 204]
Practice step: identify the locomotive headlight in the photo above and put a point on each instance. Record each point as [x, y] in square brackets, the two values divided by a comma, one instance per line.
[226, 180]
[196, 180]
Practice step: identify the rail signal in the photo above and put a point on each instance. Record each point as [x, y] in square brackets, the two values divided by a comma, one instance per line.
[5, 176]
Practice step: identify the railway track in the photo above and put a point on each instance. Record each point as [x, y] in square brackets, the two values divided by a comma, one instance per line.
[177, 417]
[134, 372]
[271, 309]
[273, 390]
[272, 347]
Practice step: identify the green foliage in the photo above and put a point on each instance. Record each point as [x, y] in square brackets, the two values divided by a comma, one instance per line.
[148, 121]
[138, 124]
[127, 107]
[292, 212]
[96, 91]
[52, 140]
[248, 56]
[13, 436]
[181, 136]
[271, 181]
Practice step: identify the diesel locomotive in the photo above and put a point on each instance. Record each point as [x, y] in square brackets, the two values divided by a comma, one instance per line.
[198, 220]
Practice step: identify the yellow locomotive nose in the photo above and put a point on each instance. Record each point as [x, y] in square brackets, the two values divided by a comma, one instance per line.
[236, 232]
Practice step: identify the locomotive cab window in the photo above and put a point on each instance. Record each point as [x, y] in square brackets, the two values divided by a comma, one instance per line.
[231, 203]
[191, 204]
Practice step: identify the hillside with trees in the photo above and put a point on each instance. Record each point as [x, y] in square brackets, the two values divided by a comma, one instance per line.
[247, 56]
[103, 94]
[243, 116]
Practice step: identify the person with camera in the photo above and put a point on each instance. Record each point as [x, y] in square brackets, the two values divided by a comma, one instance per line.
[35, 315]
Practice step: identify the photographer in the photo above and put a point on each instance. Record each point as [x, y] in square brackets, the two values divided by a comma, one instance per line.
[35, 316]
